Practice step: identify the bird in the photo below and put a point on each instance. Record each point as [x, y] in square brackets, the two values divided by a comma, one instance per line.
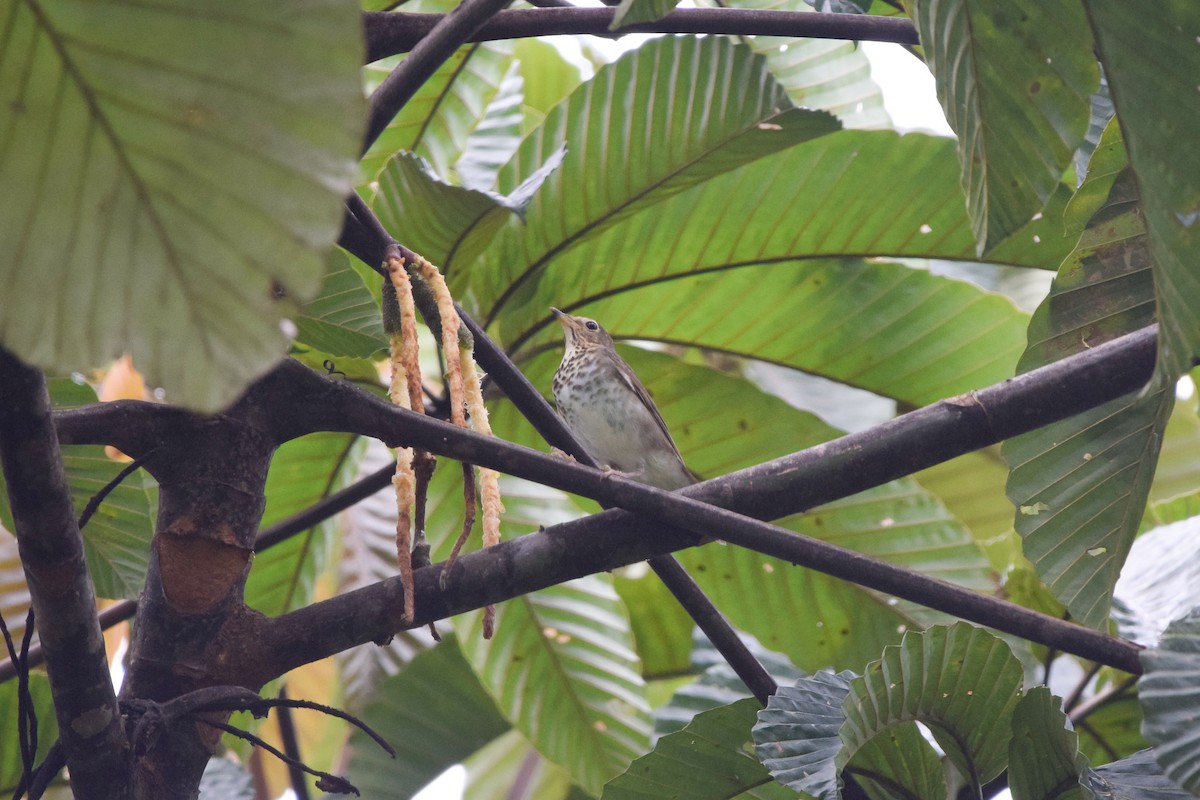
[608, 409]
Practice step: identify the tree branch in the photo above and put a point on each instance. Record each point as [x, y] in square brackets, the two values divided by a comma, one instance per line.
[310, 402]
[60, 588]
[398, 32]
[788, 485]
[281, 531]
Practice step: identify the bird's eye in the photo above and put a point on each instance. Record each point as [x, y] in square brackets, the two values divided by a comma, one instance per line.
[592, 325]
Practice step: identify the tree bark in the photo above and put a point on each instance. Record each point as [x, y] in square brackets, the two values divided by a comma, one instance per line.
[64, 600]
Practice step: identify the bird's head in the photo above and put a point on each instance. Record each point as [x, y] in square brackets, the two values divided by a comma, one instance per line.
[581, 332]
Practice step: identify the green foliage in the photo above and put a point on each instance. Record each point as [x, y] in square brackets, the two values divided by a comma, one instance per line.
[719, 204]
[454, 718]
[707, 760]
[1043, 756]
[631, 12]
[1080, 485]
[1167, 175]
[998, 63]
[1166, 692]
[47, 732]
[961, 682]
[165, 173]
[344, 318]
[116, 538]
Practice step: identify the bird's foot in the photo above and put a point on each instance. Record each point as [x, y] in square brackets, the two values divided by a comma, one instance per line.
[636, 475]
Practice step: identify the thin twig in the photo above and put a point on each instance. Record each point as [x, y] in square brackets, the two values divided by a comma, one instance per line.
[94, 504]
[39, 782]
[28, 714]
[1097, 701]
[326, 782]
[291, 746]
[469, 502]
[24, 699]
[1073, 699]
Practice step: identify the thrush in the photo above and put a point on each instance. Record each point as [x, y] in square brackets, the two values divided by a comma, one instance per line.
[609, 410]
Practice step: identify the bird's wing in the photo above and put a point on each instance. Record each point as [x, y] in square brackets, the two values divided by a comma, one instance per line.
[630, 379]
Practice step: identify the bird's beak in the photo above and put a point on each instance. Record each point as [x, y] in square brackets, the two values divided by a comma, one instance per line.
[566, 320]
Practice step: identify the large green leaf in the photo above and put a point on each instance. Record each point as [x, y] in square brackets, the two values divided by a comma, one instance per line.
[1080, 485]
[1043, 757]
[302, 472]
[1015, 80]
[47, 732]
[1153, 589]
[1171, 700]
[439, 119]
[960, 680]
[817, 209]
[343, 319]
[1138, 777]
[828, 74]
[693, 269]
[1155, 96]
[562, 668]
[509, 767]
[900, 332]
[796, 736]
[707, 760]
[443, 222]
[434, 713]
[648, 126]
[157, 193]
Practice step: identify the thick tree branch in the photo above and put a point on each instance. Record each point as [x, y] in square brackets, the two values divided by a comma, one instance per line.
[429, 51]
[788, 485]
[310, 402]
[397, 32]
[61, 590]
[269, 537]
